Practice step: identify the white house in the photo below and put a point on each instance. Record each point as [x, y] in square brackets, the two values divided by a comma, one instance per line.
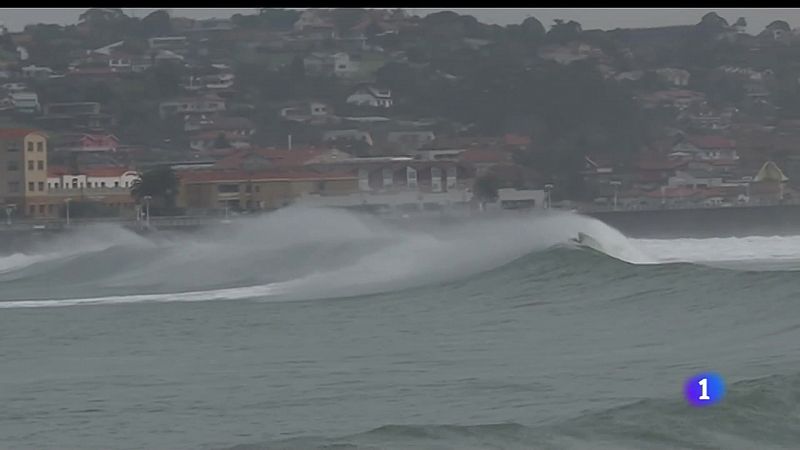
[339, 64]
[706, 148]
[25, 102]
[371, 96]
[91, 178]
[194, 105]
[695, 179]
[675, 77]
[305, 111]
[14, 87]
[352, 135]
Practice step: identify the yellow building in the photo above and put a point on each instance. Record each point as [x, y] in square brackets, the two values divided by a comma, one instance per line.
[23, 173]
[257, 190]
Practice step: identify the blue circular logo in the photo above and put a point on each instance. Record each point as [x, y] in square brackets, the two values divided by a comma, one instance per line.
[704, 389]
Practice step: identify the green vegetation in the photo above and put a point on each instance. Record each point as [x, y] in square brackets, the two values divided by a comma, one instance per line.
[161, 184]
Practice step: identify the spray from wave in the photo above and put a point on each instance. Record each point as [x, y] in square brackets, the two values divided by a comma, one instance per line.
[299, 253]
[296, 252]
[93, 238]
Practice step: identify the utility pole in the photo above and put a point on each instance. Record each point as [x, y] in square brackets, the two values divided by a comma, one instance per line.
[616, 185]
[147, 199]
[9, 210]
[67, 202]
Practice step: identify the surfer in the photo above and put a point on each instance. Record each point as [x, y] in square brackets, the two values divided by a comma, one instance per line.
[580, 239]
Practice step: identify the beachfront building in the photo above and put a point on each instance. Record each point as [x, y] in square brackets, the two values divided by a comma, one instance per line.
[23, 174]
[108, 186]
[258, 189]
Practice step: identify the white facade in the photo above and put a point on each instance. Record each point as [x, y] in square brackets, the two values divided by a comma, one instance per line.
[370, 96]
[386, 199]
[343, 66]
[101, 181]
[27, 102]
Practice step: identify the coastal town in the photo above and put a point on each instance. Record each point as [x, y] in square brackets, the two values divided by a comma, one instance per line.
[387, 112]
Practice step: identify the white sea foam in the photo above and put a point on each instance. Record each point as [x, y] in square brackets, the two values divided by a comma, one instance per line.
[403, 258]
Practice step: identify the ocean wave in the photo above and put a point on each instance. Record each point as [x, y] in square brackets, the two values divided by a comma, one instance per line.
[301, 253]
[759, 413]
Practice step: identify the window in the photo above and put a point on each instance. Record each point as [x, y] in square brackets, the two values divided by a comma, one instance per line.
[41, 209]
[30, 165]
[116, 184]
[12, 166]
[13, 187]
[30, 146]
[40, 165]
[32, 209]
[31, 186]
[102, 184]
[228, 188]
[41, 186]
[40, 146]
[88, 184]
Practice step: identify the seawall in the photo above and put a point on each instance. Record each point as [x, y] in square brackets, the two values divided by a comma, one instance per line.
[776, 220]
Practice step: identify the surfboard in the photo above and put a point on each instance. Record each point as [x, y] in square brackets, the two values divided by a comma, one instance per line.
[585, 240]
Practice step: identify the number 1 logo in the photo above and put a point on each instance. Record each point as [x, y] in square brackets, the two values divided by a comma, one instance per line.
[704, 389]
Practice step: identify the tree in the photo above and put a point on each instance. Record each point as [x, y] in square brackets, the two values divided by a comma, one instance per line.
[278, 19]
[98, 15]
[562, 33]
[779, 25]
[221, 141]
[157, 23]
[160, 183]
[346, 18]
[712, 21]
[532, 30]
[486, 188]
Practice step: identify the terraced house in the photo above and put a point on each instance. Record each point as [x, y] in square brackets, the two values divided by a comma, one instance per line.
[23, 173]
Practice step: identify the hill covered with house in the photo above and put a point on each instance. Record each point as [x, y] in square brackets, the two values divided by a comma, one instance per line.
[681, 115]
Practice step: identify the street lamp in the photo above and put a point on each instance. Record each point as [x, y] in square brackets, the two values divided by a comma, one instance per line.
[547, 188]
[147, 199]
[66, 202]
[616, 185]
[9, 211]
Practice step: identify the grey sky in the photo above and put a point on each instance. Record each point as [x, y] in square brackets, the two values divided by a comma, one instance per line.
[608, 18]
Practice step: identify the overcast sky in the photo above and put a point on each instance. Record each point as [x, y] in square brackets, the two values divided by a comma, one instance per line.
[757, 18]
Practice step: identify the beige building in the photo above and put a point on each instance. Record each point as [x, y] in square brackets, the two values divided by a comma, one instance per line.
[23, 173]
[258, 190]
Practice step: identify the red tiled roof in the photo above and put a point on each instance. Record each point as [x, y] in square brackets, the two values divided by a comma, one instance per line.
[660, 164]
[213, 134]
[105, 171]
[16, 133]
[686, 191]
[56, 171]
[102, 172]
[293, 157]
[712, 142]
[194, 176]
[515, 139]
[478, 155]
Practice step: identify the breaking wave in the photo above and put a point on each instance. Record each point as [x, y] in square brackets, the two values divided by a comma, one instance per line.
[301, 254]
